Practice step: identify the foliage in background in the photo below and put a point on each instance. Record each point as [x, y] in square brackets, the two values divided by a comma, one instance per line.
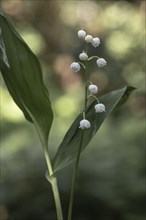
[118, 171]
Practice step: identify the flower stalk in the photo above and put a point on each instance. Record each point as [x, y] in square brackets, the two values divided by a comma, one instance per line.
[74, 178]
[84, 124]
[53, 181]
[93, 89]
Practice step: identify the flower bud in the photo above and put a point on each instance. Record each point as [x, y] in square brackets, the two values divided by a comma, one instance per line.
[75, 67]
[88, 38]
[93, 89]
[81, 34]
[83, 56]
[84, 124]
[101, 62]
[95, 42]
[99, 108]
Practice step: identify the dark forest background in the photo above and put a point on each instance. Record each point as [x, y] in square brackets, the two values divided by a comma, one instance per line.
[111, 180]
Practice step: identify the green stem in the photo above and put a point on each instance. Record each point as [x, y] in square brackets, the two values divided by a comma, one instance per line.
[75, 177]
[93, 57]
[91, 95]
[79, 151]
[54, 184]
[86, 87]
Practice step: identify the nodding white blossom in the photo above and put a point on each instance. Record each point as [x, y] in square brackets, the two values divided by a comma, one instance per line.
[75, 67]
[83, 56]
[101, 62]
[93, 89]
[95, 42]
[84, 124]
[81, 34]
[99, 108]
[88, 38]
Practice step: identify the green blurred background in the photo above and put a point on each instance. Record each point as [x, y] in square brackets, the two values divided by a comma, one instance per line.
[111, 181]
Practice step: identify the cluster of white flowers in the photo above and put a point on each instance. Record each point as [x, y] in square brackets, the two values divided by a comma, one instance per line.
[94, 41]
[99, 108]
[76, 66]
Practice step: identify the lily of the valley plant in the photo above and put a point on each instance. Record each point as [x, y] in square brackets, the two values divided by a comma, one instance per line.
[22, 74]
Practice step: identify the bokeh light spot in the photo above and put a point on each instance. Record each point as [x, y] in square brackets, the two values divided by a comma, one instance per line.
[33, 38]
[9, 110]
[118, 44]
[65, 106]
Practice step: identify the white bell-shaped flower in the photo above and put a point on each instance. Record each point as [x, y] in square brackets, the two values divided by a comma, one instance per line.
[81, 34]
[95, 42]
[75, 67]
[84, 124]
[93, 89]
[101, 62]
[99, 108]
[88, 38]
[83, 56]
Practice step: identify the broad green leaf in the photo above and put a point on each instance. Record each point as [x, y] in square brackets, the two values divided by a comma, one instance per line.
[68, 148]
[22, 74]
